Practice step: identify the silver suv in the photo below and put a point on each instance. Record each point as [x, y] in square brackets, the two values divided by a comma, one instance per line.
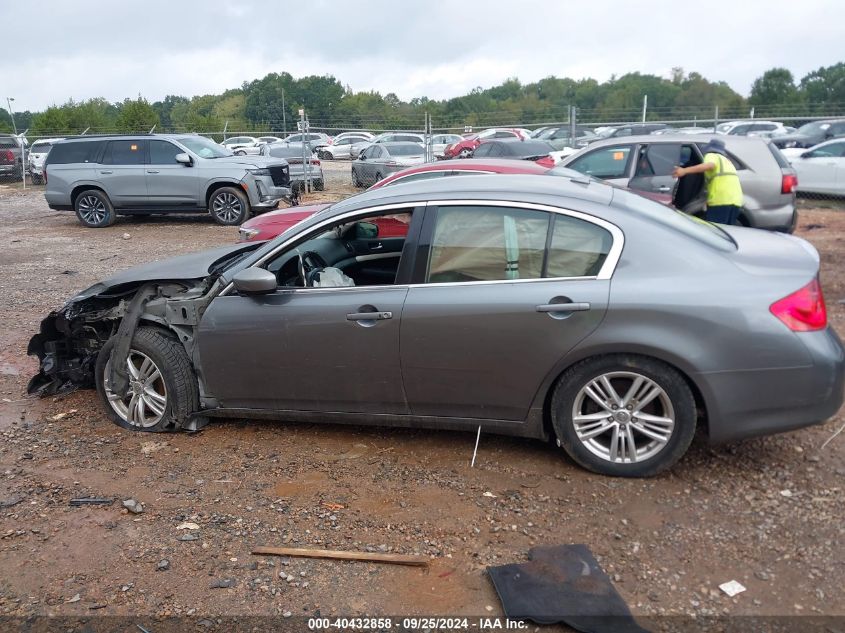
[101, 177]
[644, 164]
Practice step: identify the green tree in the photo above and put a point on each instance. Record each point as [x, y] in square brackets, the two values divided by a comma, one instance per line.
[136, 115]
[775, 88]
[824, 86]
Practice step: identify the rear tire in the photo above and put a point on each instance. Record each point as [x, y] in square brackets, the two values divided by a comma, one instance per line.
[643, 425]
[229, 206]
[94, 209]
[163, 392]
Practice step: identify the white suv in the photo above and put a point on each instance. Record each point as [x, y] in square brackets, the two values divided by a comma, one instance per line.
[37, 154]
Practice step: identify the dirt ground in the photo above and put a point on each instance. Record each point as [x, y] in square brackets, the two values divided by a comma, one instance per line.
[767, 512]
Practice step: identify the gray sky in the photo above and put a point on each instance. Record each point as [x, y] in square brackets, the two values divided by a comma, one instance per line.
[115, 49]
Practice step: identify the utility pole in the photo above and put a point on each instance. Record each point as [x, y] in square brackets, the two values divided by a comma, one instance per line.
[12, 114]
[284, 116]
[306, 162]
[645, 106]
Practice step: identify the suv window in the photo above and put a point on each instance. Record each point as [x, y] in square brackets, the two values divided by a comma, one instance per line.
[7, 142]
[607, 162]
[163, 153]
[74, 152]
[128, 152]
[487, 244]
[659, 159]
[578, 248]
[40, 148]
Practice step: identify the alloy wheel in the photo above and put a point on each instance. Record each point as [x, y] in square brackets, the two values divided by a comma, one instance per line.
[227, 207]
[145, 401]
[92, 209]
[623, 417]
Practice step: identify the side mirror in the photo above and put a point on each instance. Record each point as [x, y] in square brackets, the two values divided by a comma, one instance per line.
[255, 281]
[184, 159]
[366, 230]
[806, 154]
[361, 156]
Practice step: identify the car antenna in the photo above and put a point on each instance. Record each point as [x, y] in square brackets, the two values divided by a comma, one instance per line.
[475, 450]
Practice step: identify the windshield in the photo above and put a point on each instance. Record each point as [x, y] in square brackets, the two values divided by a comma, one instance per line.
[204, 147]
[815, 127]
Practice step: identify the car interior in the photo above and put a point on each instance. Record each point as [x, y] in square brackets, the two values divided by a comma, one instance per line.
[364, 252]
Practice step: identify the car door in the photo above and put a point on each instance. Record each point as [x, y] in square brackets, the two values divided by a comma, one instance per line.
[818, 169]
[375, 164]
[170, 184]
[121, 172]
[330, 349]
[481, 327]
[611, 163]
[654, 165]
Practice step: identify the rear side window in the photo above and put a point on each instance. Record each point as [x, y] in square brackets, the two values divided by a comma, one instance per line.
[8, 143]
[129, 152]
[578, 248]
[40, 148]
[74, 152]
[607, 162]
[487, 244]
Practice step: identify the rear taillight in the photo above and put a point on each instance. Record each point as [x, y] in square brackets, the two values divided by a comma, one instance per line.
[9, 156]
[315, 161]
[788, 183]
[803, 310]
[546, 161]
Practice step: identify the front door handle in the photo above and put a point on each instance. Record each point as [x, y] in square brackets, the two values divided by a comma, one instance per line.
[152, 171]
[664, 189]
[563, 307]
[106, 171]
[369, 316]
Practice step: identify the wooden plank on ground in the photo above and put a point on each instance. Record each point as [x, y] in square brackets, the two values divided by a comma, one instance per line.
[373, 557]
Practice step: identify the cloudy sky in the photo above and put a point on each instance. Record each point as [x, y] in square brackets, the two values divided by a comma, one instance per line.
[55, 50]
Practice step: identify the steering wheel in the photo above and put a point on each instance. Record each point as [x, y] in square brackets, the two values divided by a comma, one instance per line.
[310, 262]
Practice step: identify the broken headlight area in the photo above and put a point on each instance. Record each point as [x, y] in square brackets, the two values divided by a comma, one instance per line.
[68, 343]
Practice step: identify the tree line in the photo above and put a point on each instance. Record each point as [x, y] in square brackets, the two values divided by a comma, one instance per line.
[271, 104]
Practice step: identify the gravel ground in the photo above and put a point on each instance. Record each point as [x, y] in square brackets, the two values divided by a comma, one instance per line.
[766, 512]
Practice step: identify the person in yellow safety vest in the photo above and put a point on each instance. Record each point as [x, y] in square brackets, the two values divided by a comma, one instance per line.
[724, 193]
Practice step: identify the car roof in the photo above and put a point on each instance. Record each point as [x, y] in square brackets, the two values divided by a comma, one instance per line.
[676, 138]
[478, 164]
[552, 189]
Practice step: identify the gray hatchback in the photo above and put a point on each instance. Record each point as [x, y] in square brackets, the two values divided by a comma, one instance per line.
[644, 164]
[535, 306]
[101, 177]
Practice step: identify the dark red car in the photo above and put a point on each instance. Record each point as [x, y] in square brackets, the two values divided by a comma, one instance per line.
[466, 147]
[269, 225]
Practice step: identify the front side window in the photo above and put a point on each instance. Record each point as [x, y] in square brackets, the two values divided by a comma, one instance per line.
[475, 243]
[607, 162]
[129, 152]
[163, 153]
[336, 255]
[834, 150]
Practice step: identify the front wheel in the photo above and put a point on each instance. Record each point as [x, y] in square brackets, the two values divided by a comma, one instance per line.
[229, 206]
[94, 209]
[162, 390]
[626, 416]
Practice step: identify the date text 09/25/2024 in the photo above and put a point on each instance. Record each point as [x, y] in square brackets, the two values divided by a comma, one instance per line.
[416, 624]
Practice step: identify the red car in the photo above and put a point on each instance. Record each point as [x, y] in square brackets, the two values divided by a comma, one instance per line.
[466, 147]
[269, 225]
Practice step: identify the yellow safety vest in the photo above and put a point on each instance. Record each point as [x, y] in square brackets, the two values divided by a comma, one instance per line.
[723, 182]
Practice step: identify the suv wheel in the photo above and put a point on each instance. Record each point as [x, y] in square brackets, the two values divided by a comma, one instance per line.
[94, 209]
[625, 416]
[229, 206]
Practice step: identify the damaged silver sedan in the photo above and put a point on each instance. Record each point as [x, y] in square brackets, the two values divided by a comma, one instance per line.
[544, 307]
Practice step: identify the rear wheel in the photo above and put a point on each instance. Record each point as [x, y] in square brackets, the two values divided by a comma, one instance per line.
[229, 206]
[94, 209]
[162, 389]
[465, 153]
[620, 415]
[356, 182]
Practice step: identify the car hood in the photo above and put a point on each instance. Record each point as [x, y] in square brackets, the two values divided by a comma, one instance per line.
[184, 267]
[247, 161]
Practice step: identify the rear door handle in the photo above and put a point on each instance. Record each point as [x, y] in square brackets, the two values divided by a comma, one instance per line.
[369, 316]
[152, 171]
[377, 246]
[563, 307]
[106, 171]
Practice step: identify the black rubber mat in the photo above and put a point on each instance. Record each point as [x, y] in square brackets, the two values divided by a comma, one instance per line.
[563, 583]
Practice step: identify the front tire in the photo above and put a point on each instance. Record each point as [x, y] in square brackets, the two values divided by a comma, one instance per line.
[623, 415]
[229, 206]
[94, 209]
[162, 390]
